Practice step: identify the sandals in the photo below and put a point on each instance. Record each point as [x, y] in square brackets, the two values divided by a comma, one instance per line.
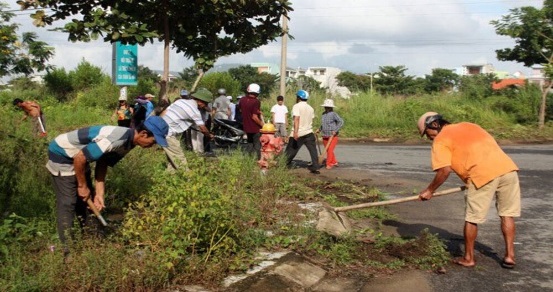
[507, 265]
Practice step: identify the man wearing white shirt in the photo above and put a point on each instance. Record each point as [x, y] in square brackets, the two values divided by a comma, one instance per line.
[181, 115]
[279, 117]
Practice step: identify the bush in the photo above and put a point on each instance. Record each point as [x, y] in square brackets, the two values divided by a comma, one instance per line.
[102, 96]
[59, 83]
[214, 81]
[86, 76]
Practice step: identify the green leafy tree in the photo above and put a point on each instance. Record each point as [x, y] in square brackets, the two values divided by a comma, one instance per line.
[86, 75]
[216, 80]
[59, 83]
[308, 83]
[211, 30]
[441, 80]
[147, 73]
[354, 82]
[24, 55]
[392, 80]
[478, 86]
[248, 74]
[188, 75]
[532, 30]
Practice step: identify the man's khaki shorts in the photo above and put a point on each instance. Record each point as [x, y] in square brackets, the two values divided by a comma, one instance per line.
[505, 189]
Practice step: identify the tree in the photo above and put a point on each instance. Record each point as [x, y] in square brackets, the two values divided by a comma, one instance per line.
[392, 80]
[354, 82]
[208, 31]
[58, 82]
[441, 80]
[24, 55]
[248, 74]
[532, 29]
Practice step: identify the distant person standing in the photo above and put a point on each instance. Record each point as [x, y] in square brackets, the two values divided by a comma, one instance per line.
[238, 112]
[232, 108]
[302, 133]
[331, 123]
[279, 117]
[33, 110]
[123, 112]
[149, 105]
[252, 119]
[221, 106]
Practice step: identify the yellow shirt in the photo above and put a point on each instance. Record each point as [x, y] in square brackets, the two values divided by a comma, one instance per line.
[471, 152]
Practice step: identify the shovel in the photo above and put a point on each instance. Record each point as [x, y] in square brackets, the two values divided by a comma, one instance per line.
[333, 222]
[323, 155]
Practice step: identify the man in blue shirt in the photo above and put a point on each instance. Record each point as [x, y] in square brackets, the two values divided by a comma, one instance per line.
[69, 158]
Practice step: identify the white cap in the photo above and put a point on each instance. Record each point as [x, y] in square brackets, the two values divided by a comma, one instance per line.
[229, 97]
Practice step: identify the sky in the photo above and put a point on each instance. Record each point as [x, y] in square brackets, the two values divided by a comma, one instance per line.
[353, 35]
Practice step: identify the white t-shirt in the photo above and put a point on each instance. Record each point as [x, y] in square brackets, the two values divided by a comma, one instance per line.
[280, 112]
[306, 114]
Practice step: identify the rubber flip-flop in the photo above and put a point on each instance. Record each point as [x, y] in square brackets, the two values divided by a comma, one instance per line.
[507, 265]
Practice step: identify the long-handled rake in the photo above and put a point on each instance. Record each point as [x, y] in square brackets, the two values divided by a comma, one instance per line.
[333, 221]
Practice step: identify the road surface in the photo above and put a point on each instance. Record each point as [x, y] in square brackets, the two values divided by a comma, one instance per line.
[395, 169]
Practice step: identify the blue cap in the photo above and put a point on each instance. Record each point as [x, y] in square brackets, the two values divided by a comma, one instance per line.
[159, 128]
[184, 92]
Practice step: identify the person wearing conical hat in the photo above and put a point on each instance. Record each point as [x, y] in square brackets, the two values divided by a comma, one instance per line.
[331, 123]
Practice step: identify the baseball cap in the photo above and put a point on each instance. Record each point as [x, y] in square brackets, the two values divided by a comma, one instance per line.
[184, 92]
[148, 95]
[159, 128]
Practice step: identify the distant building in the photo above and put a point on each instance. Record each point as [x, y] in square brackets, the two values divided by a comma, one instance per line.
[326, 76]
[538, 75]
[476, 69]
[267, 68]
[172, 75]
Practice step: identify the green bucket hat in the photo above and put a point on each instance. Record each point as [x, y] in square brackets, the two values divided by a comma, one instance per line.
[203, 95]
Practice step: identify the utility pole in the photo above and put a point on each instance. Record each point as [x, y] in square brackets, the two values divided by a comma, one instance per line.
[283, 56]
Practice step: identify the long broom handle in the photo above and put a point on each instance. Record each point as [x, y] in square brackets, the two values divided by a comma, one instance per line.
[96, 212]
[396, 201]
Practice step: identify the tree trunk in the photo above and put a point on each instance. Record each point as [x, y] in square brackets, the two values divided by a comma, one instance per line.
[200, 75]
[166, 43]
[545, 90]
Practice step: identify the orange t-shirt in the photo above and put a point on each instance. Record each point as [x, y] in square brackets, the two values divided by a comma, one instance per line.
[471, 152]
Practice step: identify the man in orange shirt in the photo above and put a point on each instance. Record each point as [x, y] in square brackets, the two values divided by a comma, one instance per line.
[473, 154]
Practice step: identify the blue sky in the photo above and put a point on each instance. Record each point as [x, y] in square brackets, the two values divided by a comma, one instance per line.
[353, 35]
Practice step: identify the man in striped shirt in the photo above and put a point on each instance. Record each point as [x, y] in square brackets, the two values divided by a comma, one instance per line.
[181, 115]
[69, 158]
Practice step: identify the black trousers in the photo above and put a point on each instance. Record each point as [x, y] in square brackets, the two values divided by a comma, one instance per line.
[69, 205]
[294, 146]
[254, 144]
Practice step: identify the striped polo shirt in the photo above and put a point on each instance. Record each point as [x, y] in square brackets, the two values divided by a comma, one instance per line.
[110, 143]
[182, 114]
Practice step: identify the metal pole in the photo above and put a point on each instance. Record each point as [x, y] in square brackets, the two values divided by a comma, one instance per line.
[283, 56]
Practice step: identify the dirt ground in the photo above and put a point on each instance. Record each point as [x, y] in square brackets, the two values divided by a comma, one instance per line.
[364, 183]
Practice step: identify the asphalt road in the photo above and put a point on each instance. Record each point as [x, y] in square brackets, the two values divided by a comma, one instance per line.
[398, 169]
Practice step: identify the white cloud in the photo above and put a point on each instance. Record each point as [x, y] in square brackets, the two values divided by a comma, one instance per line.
[353, 35]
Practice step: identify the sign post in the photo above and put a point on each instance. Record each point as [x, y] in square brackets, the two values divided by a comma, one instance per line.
[124, 66]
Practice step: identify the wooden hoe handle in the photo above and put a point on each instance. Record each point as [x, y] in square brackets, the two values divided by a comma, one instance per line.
[96, 212]
[396, 201]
